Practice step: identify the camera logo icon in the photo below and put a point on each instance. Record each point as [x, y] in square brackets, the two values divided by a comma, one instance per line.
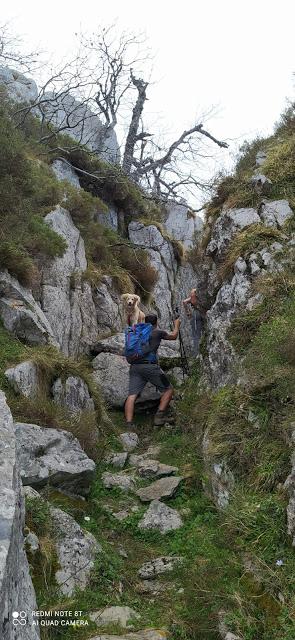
[19, 617]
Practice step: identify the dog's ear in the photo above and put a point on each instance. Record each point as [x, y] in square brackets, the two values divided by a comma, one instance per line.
[137, 298]
[124, 296]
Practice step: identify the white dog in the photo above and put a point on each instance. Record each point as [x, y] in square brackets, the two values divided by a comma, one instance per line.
[133, 312]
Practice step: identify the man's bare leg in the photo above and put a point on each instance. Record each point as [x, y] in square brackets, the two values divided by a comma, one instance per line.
[166, 399]
[129, 408]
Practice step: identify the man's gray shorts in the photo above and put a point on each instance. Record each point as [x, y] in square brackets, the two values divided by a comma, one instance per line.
[140, 374]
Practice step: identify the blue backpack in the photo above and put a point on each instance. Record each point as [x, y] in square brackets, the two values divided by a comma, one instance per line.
[137, 341]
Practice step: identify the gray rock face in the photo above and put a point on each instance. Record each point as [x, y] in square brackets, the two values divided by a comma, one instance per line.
[275, 213]
[229, 222]
[123, 616]
[76, 551]
[109, 219]
[16, 589]
[72, 393]
[25, 379]
[182, 224]
[163, 488]
[118, 480]
[186, 280]
[146, 634]
[19, 87]
[108, 307]
[156, 567]
[67, 300]
[53, 457]
[21, 314]
[163, 260]
[111, 373]
[160, 517]
[63, 171]
[84, 125]
[129, 440]
[261, 184]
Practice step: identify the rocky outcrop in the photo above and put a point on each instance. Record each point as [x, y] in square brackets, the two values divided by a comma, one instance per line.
[19, 88]
[20, 313]
[16, 589]
[227, 225]
[72, 393]
[63, 171]
[108, 306]
[53, 457]
[66, 299]
[182, 224]
[163, 260]
[25, 379]
[109, 219]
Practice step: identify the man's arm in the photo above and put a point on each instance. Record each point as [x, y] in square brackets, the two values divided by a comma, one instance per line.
[174, 334]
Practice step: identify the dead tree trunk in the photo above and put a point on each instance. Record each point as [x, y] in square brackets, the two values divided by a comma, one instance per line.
[133, 136]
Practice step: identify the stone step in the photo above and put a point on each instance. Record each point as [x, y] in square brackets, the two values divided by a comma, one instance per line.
[160, 517]
[149, 468]
[163, 488]
[118, 480]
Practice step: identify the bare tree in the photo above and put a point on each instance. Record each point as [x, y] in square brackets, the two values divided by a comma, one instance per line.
[12, 51]
[91, 95]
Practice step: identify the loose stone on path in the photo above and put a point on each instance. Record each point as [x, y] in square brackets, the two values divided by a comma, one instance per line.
[129, 440]
[149, 468]
[112, 615]
[159, 516]
[117, 460]
[118, 480]
[163, 488]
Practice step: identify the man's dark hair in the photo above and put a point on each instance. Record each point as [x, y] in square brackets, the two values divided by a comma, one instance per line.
[152, 318]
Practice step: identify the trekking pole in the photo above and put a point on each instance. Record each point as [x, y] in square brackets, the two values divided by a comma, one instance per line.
[183, 356]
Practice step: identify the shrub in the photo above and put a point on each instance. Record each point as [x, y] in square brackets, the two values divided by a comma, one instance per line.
[82, 205]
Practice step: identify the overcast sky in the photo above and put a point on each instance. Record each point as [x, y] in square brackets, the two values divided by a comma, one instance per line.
[238, 56]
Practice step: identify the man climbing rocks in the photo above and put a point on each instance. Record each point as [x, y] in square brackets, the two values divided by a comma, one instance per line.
[196, 314]
[143, 371]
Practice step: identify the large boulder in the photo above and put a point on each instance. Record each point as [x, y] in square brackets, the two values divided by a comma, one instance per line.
[76, 552]
[72, 393]
[16, 589]
[111, 373]
[53, 457]
[21, 314]
[19, 88]
[163, 259]
[66, 298]
[182, 224]
[116, 345]
[25, 379]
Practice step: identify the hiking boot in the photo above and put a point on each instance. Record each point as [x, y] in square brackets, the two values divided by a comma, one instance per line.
[130, 426]
[160, 418]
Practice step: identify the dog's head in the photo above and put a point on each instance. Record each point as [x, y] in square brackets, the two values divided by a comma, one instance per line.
[130, 300]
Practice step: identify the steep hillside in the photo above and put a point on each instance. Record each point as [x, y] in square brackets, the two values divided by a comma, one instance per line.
[185, 532]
